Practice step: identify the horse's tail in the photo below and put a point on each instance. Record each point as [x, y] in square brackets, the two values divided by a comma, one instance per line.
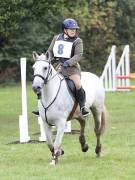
[103, 120]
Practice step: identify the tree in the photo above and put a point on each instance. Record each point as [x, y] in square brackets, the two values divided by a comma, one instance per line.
[30, 25]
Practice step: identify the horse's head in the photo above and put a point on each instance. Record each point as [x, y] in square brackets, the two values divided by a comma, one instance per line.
[42, 70]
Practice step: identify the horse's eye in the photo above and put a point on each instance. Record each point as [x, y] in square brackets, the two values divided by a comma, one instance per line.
[45, 68]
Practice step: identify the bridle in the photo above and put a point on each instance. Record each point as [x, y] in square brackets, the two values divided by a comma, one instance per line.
[45, 82]
[48, 74]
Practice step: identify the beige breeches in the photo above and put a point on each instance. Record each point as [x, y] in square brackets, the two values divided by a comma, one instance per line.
[77, 80]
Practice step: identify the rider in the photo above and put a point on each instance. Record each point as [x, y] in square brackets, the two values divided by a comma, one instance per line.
[67, 48]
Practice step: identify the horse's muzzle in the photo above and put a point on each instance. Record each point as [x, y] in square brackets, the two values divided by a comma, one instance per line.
[36, 89]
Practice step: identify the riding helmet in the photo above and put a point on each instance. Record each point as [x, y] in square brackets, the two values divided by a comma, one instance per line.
[69, 24]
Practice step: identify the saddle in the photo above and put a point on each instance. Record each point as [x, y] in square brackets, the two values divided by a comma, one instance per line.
[72, 91]
[71, 87]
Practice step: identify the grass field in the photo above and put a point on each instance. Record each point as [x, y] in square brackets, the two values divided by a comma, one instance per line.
[30, 161]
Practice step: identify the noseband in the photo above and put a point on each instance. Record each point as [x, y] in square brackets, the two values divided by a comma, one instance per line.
[48, 74]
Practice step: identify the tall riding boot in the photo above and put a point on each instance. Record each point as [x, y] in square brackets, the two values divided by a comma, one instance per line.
[81, 98]
[36, 113]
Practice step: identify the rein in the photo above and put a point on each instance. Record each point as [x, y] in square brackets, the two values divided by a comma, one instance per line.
[46, 79]
[46, 108]
[45, 82]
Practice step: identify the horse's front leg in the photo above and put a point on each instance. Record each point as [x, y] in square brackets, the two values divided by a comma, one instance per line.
[49, 139]
[82, 140]
[58, 140]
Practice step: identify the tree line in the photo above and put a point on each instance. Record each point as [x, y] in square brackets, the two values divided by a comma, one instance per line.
[28, 25]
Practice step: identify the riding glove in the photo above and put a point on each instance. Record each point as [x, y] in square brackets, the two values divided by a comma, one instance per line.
[65, 64]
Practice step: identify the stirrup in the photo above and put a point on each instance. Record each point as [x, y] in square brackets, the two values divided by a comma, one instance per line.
[84, 111]
[35, 113]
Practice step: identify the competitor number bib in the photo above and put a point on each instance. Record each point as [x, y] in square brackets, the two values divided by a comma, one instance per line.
[62, 49]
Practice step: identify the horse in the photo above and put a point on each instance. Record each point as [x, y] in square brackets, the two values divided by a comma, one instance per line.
[56, 104]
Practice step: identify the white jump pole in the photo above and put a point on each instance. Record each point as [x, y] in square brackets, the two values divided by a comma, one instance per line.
[68, 127]
[23, 119]
[42, 136]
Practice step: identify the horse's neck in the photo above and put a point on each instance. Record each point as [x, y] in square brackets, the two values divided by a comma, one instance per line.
[57, 87]
[50, 90]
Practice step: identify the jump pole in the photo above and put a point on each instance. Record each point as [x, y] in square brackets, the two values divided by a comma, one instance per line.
[127, 87]
[130, 76]
[126, 77]
[42, 136]
[23, 119]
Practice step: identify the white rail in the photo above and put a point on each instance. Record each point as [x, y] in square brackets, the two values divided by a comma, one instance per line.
[23, 119]
[110, 72]
[108, 75]
[123, 69]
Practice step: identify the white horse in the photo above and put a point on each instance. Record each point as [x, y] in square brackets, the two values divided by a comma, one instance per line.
[56, 104]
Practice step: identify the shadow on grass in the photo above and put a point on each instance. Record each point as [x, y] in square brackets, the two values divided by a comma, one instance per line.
[73, 131]
[34, 141]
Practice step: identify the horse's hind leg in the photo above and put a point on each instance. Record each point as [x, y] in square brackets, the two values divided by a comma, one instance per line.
[82, 140]
[99, 120]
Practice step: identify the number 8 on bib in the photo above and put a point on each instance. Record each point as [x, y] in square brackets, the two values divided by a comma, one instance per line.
[62, 49]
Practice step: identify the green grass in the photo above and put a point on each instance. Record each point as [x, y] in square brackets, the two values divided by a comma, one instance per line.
[30, 161]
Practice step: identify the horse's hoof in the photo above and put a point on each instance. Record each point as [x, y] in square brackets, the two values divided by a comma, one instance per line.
[52, 163]
[98, 151]
[85, 148]
[98, 155]
[62, 152]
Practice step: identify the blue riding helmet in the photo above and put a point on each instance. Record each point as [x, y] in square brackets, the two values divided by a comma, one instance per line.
[69, 24]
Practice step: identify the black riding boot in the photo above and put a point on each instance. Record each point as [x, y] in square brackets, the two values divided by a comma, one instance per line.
[36, 113]
[81, 98]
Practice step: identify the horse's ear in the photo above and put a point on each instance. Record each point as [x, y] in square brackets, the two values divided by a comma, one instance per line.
[48, 56]
[35, 55]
